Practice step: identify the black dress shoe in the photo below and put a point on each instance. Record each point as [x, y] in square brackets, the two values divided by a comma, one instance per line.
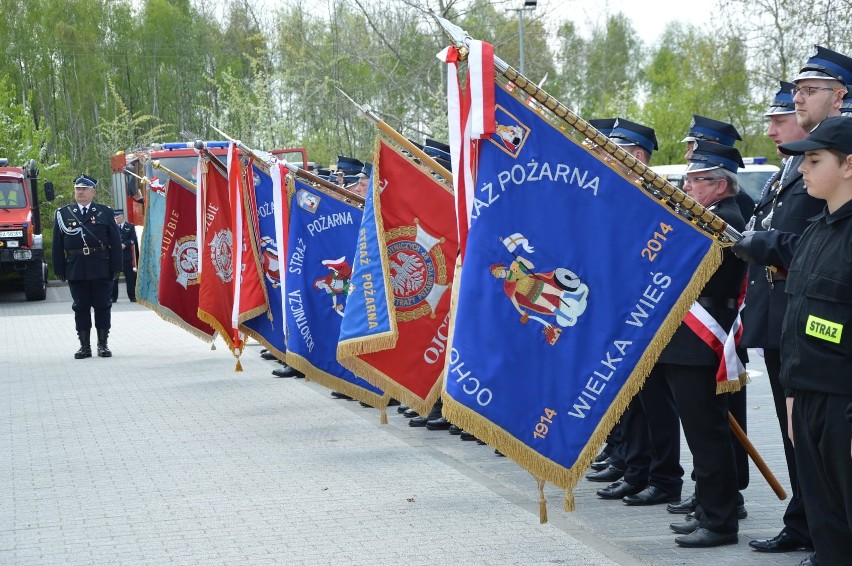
[267, 355]
[365, 405]
[689, 524]
[742, 513]
[339, 395]
[610, 474]
[285, 371]
[393, 403]
[683, 507]
[418, 421]
[810, 561]
[783, 542]
[401, 409]
[618, 490]
[410, 414]
[498, 453]
[465, 435]
[651, 495]
[454, 430]
[601, 465]
[705, 538]
[438, 424]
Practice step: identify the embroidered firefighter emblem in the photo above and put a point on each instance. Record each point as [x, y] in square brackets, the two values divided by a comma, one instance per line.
[560, 293]
[222, 255]
[185, 255]
[336, 283]
[511, 134]
[418, 271]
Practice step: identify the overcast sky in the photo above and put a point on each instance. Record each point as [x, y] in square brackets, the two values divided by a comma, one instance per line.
[649, 17]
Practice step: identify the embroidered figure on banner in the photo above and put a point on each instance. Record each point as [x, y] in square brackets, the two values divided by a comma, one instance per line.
[511, 133]
[336, 283]
[559, 293]
[418, 271]
[269, 258]
[307, 201]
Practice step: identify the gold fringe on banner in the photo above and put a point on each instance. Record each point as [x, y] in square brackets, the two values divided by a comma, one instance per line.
[335, 383]
[383, 419]
[239, 366]
[542, 502]
[569, 501]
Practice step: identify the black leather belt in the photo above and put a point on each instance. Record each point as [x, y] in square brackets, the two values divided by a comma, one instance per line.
[717, 303]
[86, 251]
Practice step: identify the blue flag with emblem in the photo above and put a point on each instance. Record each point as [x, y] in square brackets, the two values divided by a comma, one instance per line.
[574, 279]
[148, 279]
[268, 327]
[322, 238]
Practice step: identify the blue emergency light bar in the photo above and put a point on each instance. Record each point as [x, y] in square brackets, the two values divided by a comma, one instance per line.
[191, 145]
[754, 160]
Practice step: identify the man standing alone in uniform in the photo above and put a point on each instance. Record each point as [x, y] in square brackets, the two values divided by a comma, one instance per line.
[87, 253]
[129, 256]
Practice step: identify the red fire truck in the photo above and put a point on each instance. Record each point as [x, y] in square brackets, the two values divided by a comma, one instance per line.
[21, 242]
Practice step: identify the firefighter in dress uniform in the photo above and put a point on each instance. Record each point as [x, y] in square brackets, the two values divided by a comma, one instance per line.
[129, 256]
[87, 253]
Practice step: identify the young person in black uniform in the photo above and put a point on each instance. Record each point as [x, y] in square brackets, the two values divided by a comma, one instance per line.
[784, 206]
[129, 256]
[816, 346]
[690, 365]
[87, 253]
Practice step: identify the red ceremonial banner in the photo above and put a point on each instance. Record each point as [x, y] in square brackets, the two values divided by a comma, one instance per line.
[178, 289]
[216, 295]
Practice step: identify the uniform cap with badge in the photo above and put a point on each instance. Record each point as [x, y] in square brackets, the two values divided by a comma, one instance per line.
[625, 132]
[85, 181]
[826, 65]
[703, 128]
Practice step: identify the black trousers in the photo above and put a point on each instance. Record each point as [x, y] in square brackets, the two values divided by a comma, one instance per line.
[704, 416]
[822, 436]
[795, 521]
[130, 279]
[88, 295]
[652, 437]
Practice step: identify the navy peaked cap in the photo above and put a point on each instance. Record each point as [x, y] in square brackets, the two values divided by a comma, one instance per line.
[85, 181]
[703, 128]
[603, 125]
[625, 132]
[826, 64]
[434, 149]
[783, 101]
[349, 165]
[709, 155]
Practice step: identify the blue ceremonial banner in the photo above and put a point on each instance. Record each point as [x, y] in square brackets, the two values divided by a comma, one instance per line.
[148, 279]
[574, 280]
[268, 327]
[322, 240]
[369, 270]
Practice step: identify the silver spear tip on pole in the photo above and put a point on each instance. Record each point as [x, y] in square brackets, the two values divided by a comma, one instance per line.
[454, 32]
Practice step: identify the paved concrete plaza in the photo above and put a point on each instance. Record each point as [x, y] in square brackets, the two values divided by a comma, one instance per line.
[163, 454]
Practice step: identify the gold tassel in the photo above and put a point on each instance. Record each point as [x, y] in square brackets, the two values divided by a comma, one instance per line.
[383, 419]
[569, 500]
[239, 366]
[542, 502]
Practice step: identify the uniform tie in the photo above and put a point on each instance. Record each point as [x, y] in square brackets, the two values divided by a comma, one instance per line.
[84, 210]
